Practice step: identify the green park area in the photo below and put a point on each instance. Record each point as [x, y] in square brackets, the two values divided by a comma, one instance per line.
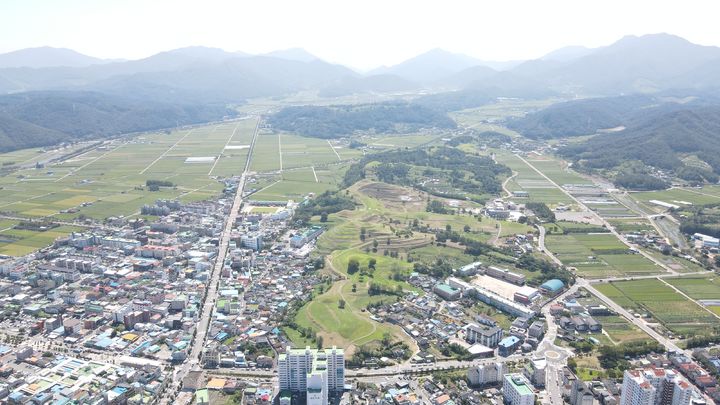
[387, 235]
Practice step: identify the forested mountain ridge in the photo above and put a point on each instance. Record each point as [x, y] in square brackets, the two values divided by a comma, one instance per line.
[660, 141]
[46, 118]
[589, 116]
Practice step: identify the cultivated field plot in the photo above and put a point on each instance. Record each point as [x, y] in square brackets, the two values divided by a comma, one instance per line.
[15, 242]
[110, 180]
[698, 287]
[628, 225]
[300, 151]
[266, 155]
[676, 263]
[527, 179]
[610, 210]
[284, 190]
[599, 256]
[297, 183]
[400, 141]
[675, 312]
[678, 196]
[232, 155]
[558, 171]
[616, 328]
[477, 118]
[345, 152]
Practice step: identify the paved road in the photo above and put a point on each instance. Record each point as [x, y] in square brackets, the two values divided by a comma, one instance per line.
[198, 343]
[556, 356]
[543, 248]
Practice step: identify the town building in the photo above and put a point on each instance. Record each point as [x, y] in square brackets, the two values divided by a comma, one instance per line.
[254, 242]
[490, 298]
[447, 292]
[651, 386]
[486, 374]
[552, 287]
[535, 371]
[508, 345]
[306, 236]
[517, 390]
[317, 374]
[505, 274]
[485, 335]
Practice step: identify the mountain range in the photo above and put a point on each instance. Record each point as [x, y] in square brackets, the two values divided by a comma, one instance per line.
[648, 63]
[211, 77]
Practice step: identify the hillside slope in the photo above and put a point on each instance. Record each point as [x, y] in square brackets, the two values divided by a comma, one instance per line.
[47, 118]
[660, 141]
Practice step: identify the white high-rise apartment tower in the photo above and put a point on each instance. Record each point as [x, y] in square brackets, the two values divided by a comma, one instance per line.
[317, 373]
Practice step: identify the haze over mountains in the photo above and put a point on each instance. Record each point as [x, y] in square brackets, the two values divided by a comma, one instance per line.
[632, 64]
[180, 80]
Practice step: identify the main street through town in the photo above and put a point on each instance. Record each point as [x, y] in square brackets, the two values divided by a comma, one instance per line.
[203, 324]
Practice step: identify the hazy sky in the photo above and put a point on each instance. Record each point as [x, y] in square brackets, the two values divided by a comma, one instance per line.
[358, 33]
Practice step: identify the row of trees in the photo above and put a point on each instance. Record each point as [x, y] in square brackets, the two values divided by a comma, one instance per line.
[542, 211]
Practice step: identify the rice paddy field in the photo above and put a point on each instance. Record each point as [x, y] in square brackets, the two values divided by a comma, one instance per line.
[527, 179]
[616, 329]
[557, 170]
[668, 307]
[679, 196]
[599, 255]
[698, 287]
[15, 242]
[109, 180]
[478, 118]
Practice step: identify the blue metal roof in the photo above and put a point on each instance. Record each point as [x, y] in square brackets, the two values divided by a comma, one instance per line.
[509, 341]
[553, 285]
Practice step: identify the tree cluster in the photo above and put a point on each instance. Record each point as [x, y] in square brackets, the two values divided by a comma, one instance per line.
[339, 121]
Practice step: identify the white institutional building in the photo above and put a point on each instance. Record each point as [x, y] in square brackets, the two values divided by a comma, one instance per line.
[517, 390]
[317, 373]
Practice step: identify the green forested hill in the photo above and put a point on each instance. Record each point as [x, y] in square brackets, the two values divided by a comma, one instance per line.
[46, 118]
[583, 117]
[342, 120]
[659, 141]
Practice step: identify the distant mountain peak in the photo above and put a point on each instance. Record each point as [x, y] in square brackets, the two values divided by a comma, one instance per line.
[429, 66]
[46, 56]
[567, 53]
[294, 54]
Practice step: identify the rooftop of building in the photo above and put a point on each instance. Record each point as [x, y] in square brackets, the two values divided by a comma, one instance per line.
[519, 384]
[553, 285]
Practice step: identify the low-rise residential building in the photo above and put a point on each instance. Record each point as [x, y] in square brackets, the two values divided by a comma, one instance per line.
[485, 335]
